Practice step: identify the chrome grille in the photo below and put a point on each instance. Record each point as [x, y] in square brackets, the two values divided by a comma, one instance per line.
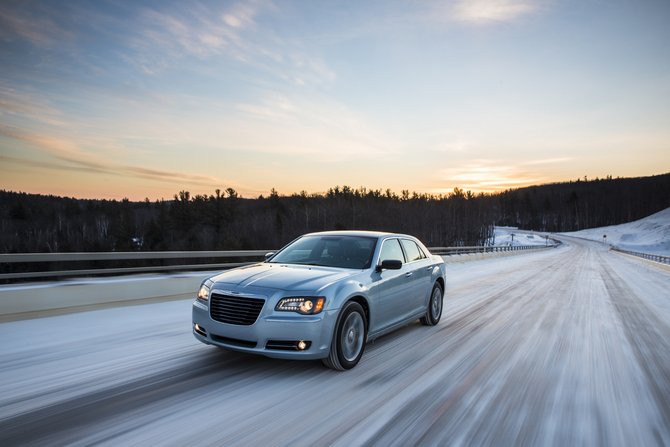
[235, 309]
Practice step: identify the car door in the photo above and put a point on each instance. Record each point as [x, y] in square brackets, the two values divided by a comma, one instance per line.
[395, 287]
[420, 268]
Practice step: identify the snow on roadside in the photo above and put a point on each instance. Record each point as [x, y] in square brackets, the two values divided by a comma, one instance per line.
[513, 236]
[648, 235]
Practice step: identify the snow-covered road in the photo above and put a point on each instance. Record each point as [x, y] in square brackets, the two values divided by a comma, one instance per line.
[566, 347]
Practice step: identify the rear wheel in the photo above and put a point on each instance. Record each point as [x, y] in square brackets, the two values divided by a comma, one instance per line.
[346, 348]
[434, 311]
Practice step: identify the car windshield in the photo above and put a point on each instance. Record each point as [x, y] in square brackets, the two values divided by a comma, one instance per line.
[352, 252]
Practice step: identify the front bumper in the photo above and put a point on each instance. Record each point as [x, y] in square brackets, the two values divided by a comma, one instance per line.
[317, 329]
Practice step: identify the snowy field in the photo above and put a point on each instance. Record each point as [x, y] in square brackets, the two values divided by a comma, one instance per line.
[512, 236]
[648, 235]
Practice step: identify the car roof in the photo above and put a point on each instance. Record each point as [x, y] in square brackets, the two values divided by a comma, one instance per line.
[376, 234]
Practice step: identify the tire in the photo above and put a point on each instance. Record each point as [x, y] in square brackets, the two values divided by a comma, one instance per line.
[434, 311]
[348, 344]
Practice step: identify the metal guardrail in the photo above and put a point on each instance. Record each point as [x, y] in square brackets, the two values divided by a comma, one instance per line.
[123, 270]
[122, 256]
[649, 256]
[486, 249]
[162, 255]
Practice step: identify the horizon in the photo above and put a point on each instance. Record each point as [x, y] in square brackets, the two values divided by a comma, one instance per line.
[446, 194]
[123, 99]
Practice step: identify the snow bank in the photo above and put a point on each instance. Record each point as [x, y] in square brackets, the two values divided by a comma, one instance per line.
[503, 236]
[648, 235]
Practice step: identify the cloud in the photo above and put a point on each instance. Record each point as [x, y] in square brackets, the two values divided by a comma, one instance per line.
[68, 152]
[241, 15]
[488, 176]
[546, 161]
[223, 36]
[276, 106]
[168, 175]
[50, 166]
[482, 12]
[199, 31]
[23, 20]
[13, 102]
[53, 146]
[308, 124]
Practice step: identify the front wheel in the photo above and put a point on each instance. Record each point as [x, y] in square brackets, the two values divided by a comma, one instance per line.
[346, 348]
[434, 311]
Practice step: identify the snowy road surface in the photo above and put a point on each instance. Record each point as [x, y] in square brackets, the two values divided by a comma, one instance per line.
[566, 347]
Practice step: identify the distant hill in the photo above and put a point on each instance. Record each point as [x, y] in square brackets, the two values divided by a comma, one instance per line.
[577, 205]
[648, 235]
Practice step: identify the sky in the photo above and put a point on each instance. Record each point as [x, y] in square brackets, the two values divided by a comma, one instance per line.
[114, 99]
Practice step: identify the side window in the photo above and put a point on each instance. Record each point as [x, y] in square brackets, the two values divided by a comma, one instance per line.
[421, 252]
[411, 249]
[391, 250]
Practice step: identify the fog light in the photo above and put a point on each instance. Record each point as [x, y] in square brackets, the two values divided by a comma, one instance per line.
[302, 345]
[200, 330]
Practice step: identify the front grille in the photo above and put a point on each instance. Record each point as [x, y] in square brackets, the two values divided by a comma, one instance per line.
[235, 309]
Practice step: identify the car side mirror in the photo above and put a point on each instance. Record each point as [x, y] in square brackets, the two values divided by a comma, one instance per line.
[389, 264]
[269, 255]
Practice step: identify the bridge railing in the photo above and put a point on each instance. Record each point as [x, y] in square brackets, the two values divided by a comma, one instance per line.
[49, 265]
[649, 256]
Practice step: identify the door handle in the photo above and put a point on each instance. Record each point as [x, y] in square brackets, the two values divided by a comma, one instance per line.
[430, 268]
[408, 274]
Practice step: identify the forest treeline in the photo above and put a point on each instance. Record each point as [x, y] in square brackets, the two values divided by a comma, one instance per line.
[226, 221]
[582, 204]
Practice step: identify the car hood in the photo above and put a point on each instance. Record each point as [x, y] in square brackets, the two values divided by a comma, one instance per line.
[283, 276]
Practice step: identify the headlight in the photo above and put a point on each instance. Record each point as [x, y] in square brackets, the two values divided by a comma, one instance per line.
[306, 305]
[203, 293]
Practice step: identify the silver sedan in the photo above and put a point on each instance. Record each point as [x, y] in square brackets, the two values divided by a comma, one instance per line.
[322, 297]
